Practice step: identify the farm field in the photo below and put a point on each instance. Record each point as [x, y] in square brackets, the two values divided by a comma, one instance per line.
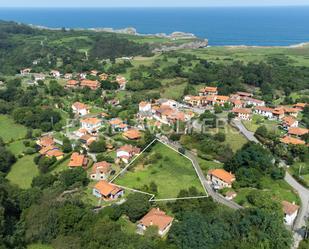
[23, 171]
[10, 130]
[169, 170]
[297, 55]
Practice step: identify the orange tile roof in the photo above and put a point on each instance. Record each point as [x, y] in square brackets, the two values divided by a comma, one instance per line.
[55, 153]
[222, 175]
[292, 140]
[132, 134]
[45, 149]
[103, 167]
[79, 105]
[242, 110]
[93, 84]
[46, 141]
[288, 120]
[300, 105]
[106, 188]
[291, 110]
[72, 83]
[222, 98]
[278, 111]
[130, 149]
[92, 121]
[115, 121]
[209, 89]
[156, 217]
[289, 208]
[298, 131]
[76, 160]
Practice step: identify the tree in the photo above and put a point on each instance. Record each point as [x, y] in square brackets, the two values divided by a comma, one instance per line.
[7, 159]
[97, 146]
[251, 155]
[136, 206]
[67, 146]
[77, 176]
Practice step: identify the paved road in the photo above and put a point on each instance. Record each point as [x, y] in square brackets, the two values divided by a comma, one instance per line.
[248, 134]
[304, 196]
[216, 197]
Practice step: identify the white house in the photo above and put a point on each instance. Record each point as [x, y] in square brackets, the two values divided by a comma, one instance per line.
[144, 106]
[55, 73]
[80, 109]
[242, 113]
[254, 102]
[25, 71]
[126, 152]
[264, 111]
[158, 218]
[290, 212]
[92, 125]
[220, 178]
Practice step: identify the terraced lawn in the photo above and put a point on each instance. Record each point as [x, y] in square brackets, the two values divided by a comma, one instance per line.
[169, 170]
[23, 171]
[10, 130]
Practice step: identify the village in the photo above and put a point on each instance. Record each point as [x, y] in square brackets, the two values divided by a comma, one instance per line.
[123, 140]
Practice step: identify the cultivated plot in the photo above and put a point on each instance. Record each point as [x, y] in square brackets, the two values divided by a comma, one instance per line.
[163, 172]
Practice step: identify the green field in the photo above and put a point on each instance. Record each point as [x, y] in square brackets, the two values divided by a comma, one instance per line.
[279, 188]
[234, 138]
[23, 171]
[171, 173]
[17, 147]
[301, 169]
[298, 55]
[258, 121]
[10, 130]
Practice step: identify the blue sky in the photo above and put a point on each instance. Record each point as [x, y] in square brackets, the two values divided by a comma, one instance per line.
[146, 3]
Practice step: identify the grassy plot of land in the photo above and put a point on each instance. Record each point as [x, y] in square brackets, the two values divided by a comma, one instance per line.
[234, 138]
[258, 121]
[297, 55]
[169, 170]
[301, 170]
[23, 171]
[279, 189]
[17, 147]
[10, 130]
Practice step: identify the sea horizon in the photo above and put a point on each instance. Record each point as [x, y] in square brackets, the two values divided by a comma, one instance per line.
[222, 26]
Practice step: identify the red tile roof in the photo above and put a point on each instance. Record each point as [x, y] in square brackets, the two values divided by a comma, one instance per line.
[222, 175]
[156, 217]
[132, 134]
[298, 131]
[106, 188]
[291, 140]
[77, 160]
[289, 208]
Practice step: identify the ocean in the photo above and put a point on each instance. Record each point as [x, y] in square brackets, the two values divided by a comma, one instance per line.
[254, 26]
